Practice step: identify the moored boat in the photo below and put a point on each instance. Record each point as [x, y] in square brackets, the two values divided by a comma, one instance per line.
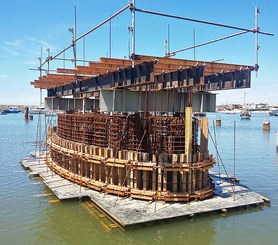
[245, 114]
[12, 110]
[3, 113]
[273, 113]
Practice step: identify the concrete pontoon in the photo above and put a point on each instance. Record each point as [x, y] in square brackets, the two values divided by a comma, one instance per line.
[129, 211]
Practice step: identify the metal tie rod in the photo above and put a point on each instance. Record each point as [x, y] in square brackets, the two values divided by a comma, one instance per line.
[206, 43]
[203, 22]
[85, 34]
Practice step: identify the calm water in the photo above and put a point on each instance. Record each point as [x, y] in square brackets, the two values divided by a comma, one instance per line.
[25, 219]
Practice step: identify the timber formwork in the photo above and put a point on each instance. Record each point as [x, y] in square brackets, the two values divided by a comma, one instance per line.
[129, 155]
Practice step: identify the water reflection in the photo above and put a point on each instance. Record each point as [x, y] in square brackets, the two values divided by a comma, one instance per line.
[276, 158]
[266, 136]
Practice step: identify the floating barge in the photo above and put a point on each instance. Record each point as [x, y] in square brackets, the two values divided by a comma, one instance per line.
[128, 139]
[131, 211]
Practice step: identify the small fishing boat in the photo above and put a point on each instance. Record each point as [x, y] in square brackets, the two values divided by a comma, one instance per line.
[245, 114]
[3, 113]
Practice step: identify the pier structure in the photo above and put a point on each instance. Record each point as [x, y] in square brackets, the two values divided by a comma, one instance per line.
[127, 130]
[130, 131]
[127, 127]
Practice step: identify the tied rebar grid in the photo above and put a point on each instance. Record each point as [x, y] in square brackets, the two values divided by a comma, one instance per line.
[154, 135]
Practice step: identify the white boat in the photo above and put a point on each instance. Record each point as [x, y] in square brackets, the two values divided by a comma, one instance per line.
[244, 113]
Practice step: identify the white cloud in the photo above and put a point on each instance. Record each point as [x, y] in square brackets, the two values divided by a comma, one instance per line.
[34, 41]
[3, 76]
[9, 51]
[14, 43]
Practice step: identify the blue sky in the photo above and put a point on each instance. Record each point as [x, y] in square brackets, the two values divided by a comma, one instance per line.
[26, 25]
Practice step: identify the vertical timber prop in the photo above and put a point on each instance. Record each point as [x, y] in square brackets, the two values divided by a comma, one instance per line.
[188, 145]
[204, 139]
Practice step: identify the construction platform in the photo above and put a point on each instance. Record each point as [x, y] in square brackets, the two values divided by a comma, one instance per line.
[128, 211]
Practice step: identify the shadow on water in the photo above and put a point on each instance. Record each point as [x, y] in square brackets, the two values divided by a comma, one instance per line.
[70, 222]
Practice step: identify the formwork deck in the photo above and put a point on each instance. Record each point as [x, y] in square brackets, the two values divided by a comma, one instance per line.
[128, 211]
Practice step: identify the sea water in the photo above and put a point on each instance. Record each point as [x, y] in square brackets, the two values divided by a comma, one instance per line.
[26, 216]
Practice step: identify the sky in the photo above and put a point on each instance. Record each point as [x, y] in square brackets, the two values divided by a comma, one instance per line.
[29, 26]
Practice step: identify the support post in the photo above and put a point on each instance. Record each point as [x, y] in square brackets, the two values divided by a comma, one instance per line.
[188, 144]
[154, 180]
[120, 176]
[131, 178]
[183, 181]
[144, 180]
[133, 32]
[175, 181]
[164, 180]
[159, 179]
[135, 179]
[257, 11]
[204, 137]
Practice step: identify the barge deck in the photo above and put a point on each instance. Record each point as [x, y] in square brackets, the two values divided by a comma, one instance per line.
[128, 211]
